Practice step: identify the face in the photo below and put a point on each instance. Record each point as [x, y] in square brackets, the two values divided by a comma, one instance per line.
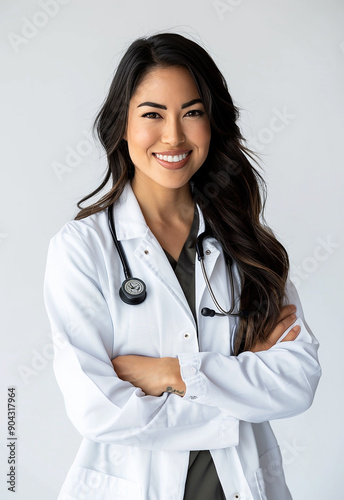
[168, 131]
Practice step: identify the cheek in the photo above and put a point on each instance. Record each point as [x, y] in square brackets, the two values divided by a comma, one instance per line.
[141, 137]
[207, 132]
[201, 135]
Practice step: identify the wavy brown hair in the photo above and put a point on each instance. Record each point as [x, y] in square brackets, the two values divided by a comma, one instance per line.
[228, 188]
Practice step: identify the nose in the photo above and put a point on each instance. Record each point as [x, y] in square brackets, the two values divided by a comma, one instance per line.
[173, 132]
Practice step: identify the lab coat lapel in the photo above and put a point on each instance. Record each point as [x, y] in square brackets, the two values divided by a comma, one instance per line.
[128, 217]
[130, 224]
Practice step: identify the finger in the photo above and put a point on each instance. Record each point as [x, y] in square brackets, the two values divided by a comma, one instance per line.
[281, 327]
[292, 335]
[286, 311]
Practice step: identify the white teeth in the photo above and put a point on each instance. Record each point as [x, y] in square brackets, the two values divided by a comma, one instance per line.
[172, 159]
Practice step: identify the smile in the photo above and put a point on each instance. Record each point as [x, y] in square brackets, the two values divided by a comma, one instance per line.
[173, 162]
[172, 159]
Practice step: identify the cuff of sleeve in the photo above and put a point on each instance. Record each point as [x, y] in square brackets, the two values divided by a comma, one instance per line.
[190, 364]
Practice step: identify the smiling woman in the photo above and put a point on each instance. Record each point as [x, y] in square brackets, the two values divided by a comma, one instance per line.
[157, 140]
[172, 398]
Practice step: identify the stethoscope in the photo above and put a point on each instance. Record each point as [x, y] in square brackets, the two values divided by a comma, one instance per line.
[133, 290]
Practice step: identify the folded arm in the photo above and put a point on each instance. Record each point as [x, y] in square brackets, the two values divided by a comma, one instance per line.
[157, 375]
[257, 386]
[101, 406]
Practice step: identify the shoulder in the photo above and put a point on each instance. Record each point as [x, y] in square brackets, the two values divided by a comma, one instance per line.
[85, 231]
[80, 245]
[95, 227]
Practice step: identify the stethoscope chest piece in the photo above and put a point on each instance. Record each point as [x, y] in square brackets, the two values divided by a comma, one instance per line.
[133, 291]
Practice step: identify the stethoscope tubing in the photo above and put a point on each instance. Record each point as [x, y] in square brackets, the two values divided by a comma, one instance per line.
[226, 313]
[118, 244]
[125, 293]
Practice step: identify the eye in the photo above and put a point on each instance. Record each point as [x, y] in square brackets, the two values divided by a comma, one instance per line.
[149, 115]
[195, 112]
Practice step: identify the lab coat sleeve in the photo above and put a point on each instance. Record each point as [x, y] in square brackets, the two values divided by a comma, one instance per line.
[256, 387]
[101, 406]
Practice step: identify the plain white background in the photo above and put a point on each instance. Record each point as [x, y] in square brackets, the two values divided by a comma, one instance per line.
[284, 64]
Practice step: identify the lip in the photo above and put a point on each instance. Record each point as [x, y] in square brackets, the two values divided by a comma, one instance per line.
[172, 152]
[175, 165]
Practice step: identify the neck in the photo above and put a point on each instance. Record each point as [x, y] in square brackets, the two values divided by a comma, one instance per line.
[164, 205]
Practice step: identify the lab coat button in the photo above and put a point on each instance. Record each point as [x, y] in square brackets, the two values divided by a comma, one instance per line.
[208, 252]
[186, 335]
[236, 495]
[188, 371]
[146, 252]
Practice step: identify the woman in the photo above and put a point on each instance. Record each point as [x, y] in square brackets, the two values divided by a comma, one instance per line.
[173, 401]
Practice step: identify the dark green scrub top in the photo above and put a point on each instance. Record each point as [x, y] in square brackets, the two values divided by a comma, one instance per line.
[202, 482]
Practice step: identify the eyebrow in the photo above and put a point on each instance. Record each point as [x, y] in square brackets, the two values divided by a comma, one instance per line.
[161, 106]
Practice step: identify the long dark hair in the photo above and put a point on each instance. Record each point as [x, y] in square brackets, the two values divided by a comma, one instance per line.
[228, 189]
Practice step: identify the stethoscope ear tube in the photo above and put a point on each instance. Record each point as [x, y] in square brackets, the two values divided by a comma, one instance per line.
[210, 312]
[229, 261]
[199, 243]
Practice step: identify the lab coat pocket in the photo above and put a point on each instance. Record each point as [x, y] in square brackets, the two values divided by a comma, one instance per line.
[88, 484]
[270, 476]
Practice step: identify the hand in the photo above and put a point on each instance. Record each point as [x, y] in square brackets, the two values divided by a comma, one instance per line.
[153, 375]
[285, 320]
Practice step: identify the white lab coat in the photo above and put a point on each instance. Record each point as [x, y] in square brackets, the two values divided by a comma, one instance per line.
[136, 446]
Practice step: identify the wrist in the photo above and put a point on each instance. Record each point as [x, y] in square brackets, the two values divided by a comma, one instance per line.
[172, 380]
